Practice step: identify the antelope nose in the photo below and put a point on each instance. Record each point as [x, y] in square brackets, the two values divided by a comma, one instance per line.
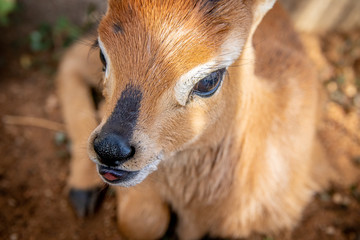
[113, 149]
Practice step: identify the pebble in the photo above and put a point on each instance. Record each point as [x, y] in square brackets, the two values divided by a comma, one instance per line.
[48, 193]
[14, 236]
[12, 202]
[332, 87]
[52, 103]
[350, 90]
[330, 230]
[25, 61]
[339, 199]
[60, 138]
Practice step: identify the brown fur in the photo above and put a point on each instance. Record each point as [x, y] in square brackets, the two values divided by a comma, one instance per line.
[74, 79]
[246, 160]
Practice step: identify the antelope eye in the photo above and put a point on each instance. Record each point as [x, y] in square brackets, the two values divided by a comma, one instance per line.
[103, 60]
[207, 86]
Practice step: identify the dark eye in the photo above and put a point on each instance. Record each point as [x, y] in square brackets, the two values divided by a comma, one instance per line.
[103, 60]
[207, 86]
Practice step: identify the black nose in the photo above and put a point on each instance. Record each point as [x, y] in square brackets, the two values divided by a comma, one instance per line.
[113, 149]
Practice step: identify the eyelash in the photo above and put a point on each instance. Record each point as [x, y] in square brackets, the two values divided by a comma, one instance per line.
[103, 60]
[207, 86]
[96, 46]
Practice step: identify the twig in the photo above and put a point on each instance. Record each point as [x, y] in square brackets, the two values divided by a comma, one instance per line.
[34, 122]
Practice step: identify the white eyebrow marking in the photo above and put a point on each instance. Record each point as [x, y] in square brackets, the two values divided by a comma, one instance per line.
[230, 51]
[103, 50]
[187, 81]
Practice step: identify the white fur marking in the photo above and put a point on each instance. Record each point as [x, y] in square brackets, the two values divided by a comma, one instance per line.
[189, 79]
[263, 8]
[230, 51]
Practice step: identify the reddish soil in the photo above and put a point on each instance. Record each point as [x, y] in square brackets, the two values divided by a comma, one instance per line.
[33, 168]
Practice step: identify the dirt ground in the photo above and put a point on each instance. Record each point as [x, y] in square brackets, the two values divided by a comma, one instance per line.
[34, 160]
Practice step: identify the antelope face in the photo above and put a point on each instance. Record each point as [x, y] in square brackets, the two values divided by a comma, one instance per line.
[166, 84]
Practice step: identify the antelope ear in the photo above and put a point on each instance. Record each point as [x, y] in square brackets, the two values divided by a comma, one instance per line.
[260, 8]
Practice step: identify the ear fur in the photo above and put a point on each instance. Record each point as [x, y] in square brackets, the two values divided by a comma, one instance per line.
[260, 8]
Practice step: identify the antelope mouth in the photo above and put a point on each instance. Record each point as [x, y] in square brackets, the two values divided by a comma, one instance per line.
[115, 176]
[119, 176]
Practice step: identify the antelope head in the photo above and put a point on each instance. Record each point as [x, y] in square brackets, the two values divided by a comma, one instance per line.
[166, 81]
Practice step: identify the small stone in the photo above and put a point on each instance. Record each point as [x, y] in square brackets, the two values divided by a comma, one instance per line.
[51, 103]
[330, 230]
[350, 90]
[340, 199]
[12, 202]
[332, 87]
[25, 61]
[14, 236]
[48, 193]
[337, 198]
[60, 138]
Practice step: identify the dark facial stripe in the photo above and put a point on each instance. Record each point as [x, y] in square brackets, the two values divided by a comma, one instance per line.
[123, 119]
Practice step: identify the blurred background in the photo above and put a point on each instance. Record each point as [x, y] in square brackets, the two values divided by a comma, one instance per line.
[34, 150]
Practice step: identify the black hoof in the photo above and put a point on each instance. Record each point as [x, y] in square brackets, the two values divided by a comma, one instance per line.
[86, 202]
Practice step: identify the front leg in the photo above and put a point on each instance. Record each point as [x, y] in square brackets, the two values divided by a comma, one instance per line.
[80, 119]
[141, 212]
[192, 224]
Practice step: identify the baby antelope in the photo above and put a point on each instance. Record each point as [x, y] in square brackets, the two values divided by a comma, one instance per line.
[210, 110]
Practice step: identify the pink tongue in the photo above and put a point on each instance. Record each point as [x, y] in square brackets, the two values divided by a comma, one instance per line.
[110, 177]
